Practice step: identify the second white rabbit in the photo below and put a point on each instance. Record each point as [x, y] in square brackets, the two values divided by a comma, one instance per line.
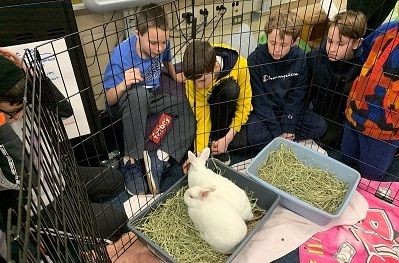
[216, 220]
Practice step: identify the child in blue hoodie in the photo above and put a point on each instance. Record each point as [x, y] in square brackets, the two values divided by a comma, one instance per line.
[278, 73]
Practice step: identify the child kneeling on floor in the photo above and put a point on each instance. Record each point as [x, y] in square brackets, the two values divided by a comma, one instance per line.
[219, 91]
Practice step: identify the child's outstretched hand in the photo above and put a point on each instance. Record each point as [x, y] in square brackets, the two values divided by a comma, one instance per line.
[288, 136]
[132, 76]
[186, 166]
[219, 146]
[8, 54]
[180, 78]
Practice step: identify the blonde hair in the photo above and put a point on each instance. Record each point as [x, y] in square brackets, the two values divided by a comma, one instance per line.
[350, 24]
[287, 22]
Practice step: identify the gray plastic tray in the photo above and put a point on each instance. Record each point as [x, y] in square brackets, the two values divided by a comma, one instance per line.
[267, 200]
[314, 159]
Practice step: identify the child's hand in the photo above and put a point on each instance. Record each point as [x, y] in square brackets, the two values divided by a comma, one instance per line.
[219, 146]
[180, 78]
[186, 166]
[132, 76]
[11, 56]
[288, 136]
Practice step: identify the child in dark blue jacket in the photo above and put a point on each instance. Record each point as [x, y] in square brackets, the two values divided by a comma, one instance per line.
[278, 73]
[332, 68]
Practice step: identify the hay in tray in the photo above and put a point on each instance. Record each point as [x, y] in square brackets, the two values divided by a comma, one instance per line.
[170, 227]
[317, 187]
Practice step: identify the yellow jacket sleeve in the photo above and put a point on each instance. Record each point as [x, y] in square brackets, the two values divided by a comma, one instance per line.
[200, 106]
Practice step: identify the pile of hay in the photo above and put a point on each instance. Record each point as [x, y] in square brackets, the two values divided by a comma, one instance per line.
[317, 187]
[170, 227]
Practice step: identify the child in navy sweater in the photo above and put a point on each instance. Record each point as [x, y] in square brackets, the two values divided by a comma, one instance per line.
[332, 68]
[278, 73]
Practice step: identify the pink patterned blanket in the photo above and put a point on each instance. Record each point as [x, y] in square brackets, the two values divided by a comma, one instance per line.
[374, 239]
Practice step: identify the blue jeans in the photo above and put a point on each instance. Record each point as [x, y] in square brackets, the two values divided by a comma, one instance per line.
[372, 157]
[292, 257]
[309, 126]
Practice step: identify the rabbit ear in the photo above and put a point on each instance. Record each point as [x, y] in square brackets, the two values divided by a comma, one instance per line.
[204, 193]
[205, 154]
[191, 157]
[212, 188]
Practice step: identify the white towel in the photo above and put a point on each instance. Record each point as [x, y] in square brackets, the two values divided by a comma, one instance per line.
[136, 203]
[284, 231]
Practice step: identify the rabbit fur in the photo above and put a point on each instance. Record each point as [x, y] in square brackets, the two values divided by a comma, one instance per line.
[217, 221]
[200, 175]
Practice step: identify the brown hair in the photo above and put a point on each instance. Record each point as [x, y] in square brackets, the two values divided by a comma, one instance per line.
[199, 58]
[350, 24]
[287, 22]
[16, 94]
[151, 15]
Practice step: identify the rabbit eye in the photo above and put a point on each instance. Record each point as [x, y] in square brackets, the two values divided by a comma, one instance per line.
[191, 196]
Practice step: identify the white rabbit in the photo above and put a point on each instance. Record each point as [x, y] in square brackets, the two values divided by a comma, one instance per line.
[216, 220]
[200, 175]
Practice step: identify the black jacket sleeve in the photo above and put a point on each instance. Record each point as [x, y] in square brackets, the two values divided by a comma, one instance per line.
[10, 157]
[311, 59]
[64, 106]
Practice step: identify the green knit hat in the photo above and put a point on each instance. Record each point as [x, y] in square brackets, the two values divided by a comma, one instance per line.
[10, 74]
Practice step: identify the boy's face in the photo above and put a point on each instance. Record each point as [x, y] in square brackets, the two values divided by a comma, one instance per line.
[340, 47]
[13, 112]
[278, 47]
[205, 80]
[153, 42]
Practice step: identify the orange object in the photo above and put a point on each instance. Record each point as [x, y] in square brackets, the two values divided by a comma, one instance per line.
[2, 118]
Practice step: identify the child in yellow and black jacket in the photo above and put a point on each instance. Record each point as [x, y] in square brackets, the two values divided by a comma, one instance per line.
[219, 91]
